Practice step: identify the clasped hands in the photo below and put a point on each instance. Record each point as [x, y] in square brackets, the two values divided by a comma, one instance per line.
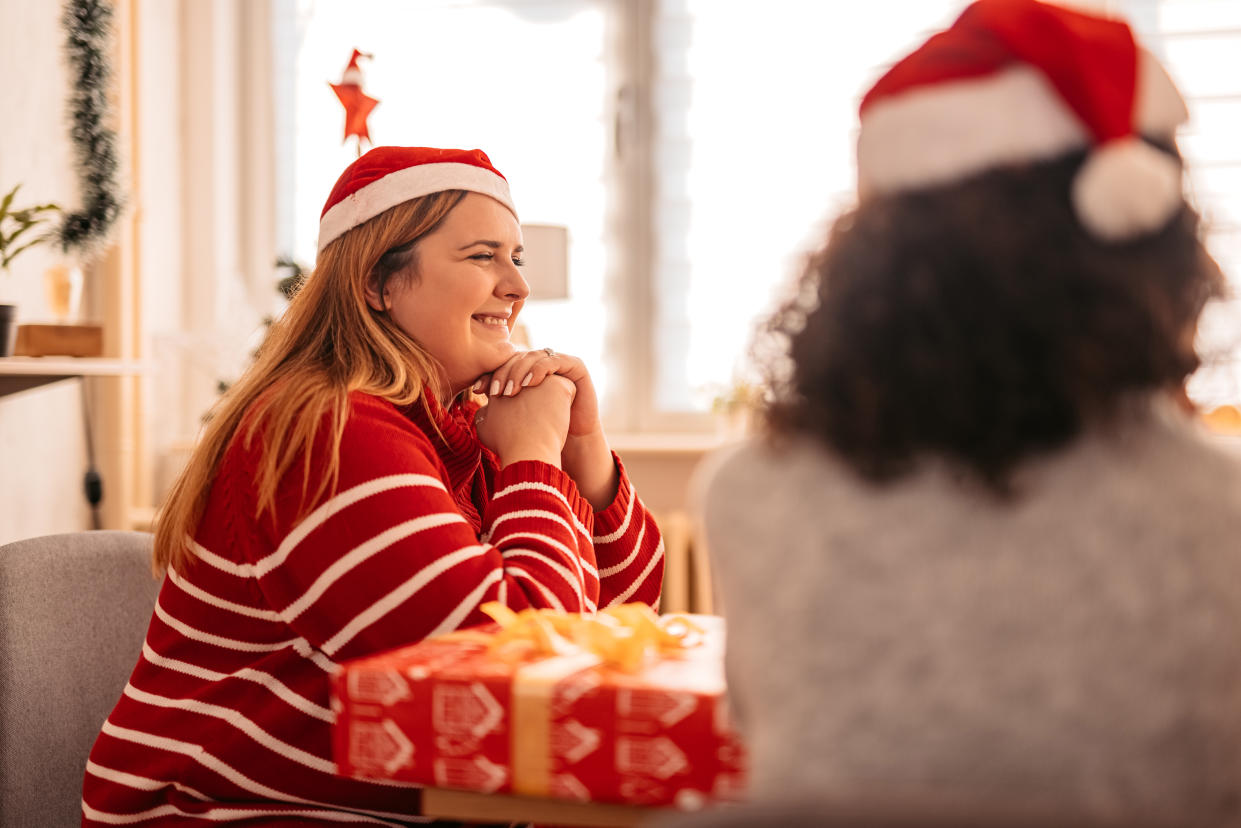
[538, 400]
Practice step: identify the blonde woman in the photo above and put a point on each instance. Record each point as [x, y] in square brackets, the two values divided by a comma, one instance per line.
[346, 499]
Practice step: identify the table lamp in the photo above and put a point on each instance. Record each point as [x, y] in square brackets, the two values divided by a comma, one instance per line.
[546, 269]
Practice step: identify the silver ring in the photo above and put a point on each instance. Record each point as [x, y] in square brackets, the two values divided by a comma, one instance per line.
[549, 352]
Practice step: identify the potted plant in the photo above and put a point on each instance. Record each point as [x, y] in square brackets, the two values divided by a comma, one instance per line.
[735, 407]
[20, 230]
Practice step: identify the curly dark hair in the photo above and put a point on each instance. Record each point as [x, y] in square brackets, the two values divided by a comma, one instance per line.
[979, 322]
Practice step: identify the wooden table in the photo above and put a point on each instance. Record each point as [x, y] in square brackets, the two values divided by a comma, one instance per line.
[444, 803]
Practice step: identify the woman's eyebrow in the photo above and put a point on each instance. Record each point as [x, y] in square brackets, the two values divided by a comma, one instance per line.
[494, 245]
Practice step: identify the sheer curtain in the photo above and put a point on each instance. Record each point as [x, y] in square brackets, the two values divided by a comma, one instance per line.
[755, 119]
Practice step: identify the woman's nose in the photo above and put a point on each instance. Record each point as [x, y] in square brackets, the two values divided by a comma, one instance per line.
[513, 285]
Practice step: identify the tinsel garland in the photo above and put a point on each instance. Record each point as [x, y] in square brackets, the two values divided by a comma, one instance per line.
[88, 28]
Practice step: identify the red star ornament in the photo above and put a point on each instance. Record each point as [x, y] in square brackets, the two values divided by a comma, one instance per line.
[358, 104]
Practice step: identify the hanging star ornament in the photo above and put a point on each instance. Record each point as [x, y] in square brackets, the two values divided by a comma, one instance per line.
[358, 104]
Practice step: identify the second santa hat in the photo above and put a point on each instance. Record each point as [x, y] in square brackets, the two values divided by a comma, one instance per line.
[1015, 81]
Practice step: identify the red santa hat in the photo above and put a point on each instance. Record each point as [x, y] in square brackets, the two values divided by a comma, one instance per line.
[387, 176]
[1016, 81]
[353, 72]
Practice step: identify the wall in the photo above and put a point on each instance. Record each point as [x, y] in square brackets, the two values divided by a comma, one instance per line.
[42, 444]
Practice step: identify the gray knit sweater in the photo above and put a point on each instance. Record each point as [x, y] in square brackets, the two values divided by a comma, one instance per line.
[1079, 646]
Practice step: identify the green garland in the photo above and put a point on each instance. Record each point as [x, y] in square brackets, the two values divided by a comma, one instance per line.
[88, 28]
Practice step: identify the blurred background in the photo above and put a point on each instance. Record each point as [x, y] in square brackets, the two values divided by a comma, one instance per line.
[693, 151]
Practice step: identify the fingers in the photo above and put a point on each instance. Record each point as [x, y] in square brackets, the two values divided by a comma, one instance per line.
[481, 384]
[523, 370]
[530, 425]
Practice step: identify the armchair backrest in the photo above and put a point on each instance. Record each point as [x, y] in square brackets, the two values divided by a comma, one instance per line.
[74, 610]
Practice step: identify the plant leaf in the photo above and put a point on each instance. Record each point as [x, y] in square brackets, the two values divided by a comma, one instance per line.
[11, 256]
[8, 199]
[30, 214]
[19, 222]
[16, 234]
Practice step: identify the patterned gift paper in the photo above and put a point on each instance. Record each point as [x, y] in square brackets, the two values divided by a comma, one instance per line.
[453, 713]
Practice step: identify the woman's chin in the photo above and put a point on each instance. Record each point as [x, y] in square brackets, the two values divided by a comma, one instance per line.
[496, 356]
[503, 351]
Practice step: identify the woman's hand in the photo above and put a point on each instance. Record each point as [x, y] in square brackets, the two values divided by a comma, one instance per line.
[532, 425]
[528, 369]
[586, 455]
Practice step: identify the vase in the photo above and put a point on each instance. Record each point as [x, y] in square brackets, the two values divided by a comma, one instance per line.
[62, 285]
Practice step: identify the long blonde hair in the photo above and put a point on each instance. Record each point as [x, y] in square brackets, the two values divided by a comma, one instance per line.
[328, 343]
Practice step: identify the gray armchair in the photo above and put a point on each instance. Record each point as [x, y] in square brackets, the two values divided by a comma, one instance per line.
[74, 609]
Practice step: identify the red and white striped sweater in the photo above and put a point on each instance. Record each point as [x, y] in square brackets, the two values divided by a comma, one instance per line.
[226, 715]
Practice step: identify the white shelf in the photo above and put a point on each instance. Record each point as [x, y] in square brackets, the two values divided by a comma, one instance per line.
[66, 366]
[22, 373]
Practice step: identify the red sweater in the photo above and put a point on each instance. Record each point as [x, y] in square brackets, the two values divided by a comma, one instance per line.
[226, 715]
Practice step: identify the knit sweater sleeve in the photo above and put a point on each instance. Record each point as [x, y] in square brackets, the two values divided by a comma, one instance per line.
[628, 548]
[389, 558]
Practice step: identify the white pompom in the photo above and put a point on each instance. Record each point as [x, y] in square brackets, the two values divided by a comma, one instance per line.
[1127, 188]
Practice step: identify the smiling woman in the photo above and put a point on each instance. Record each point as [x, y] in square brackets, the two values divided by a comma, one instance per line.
[345, 500]
[464, 291]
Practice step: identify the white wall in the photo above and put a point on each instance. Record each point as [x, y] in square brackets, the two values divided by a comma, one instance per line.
[42, 447]
[42, 443]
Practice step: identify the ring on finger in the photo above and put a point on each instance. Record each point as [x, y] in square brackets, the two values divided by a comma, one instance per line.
[549, 352]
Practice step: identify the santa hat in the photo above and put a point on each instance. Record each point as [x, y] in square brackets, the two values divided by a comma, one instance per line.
[1016, 81]
[353, 72]
[387, 176]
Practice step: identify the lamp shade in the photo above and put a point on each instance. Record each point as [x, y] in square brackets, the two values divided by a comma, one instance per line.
[547, 260]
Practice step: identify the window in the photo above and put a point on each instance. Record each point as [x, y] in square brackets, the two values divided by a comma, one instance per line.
[755, 120]
[1196, 39]
[695, 149]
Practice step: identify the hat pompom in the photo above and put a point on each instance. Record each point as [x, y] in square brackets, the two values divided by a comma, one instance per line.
[1126, 188]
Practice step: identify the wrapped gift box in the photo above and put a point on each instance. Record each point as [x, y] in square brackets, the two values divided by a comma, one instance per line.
[454, 712]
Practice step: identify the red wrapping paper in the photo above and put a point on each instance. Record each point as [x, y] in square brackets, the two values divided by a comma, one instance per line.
[450, 713]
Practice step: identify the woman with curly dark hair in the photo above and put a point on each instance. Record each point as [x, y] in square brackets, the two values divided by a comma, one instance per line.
[996, 560]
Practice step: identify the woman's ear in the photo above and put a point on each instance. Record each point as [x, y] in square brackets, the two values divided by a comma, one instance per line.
[376, 296]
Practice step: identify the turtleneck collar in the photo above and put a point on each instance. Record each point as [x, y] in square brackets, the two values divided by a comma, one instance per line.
[456, 442]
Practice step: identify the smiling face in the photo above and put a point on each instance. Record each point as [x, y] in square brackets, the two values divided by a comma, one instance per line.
[461, 296]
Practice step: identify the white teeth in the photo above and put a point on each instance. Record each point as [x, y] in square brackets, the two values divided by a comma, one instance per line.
[496, 321]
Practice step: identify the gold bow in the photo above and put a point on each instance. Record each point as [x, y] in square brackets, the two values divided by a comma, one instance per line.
[627, 637]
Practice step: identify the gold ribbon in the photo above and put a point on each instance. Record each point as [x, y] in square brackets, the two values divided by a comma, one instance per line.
[627, 637]
[553, 645]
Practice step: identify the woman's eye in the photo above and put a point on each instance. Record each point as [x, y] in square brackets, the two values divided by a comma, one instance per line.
[482, 256]
[519, 261]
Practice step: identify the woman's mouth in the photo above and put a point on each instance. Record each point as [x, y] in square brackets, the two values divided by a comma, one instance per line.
[491, 321]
